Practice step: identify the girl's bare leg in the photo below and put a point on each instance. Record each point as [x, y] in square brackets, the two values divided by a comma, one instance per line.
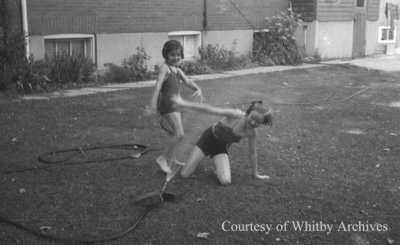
[174, 121]
[196, 156]
[223, 168]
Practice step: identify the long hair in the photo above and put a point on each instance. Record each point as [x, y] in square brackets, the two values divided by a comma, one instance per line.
[170, 46]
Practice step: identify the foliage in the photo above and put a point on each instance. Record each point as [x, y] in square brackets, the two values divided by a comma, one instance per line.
[27, 74]
[218, 58]
[135, 68]
[74, 68]
[315, 58]
[116, 74]
[195, 67]
[276, 40]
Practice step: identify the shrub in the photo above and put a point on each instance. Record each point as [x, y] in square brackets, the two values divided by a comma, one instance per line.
[134, 68]
[195, 67]
[27, 74]
[276, 40]
[75, 68]
[218, 58]
[315, 58]
[116, 74]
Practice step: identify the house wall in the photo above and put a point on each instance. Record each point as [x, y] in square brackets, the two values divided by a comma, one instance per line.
[14, 19]
[328, 27]
[132, 16]
[109, 16]
[335, 10]
[306, 37]
[113, 48]
[36, 45]
[244, 39]
[334, 39]
[306, 8]
[239, 14]
[122, 25]
[373, 46]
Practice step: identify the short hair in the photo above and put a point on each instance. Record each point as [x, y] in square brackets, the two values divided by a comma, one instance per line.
[259, 107]
[170, 46]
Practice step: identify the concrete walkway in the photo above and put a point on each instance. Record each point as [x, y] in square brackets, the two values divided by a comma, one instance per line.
[388, 63]
[385, 63]
[132, 85]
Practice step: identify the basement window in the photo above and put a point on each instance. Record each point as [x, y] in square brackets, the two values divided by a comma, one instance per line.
[69, 43]
[387, 34]
[190, 40]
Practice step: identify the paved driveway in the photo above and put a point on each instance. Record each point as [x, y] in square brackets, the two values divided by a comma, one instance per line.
[384, 63]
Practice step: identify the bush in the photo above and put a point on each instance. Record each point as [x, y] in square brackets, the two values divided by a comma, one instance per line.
[135, 68]
[218, 58]
[19, 73]
[75, 68]
[27, 74]
[116, 74]
[276, 40]
[195, 67]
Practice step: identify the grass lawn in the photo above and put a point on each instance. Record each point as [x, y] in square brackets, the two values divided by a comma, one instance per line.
[332, 163]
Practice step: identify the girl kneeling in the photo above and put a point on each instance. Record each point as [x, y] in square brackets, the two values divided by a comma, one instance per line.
[231, 128]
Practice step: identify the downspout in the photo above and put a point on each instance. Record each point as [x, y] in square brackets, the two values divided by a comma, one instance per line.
[204, 23]
[305, 37]
[25, 27]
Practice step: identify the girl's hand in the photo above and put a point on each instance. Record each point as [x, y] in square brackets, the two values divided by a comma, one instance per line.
[198, 96]
[259, 176]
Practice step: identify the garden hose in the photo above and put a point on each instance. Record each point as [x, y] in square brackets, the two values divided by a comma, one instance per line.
[74, 241]
[139, 150]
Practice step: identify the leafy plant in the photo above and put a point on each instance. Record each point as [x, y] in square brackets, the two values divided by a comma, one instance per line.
[218, 58]
[195, 67]
[276, 40]
[74, 68]
[134, 68]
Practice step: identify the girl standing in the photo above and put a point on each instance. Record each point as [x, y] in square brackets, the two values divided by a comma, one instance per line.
[168, 85]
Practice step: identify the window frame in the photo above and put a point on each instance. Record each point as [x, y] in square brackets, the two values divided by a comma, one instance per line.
[361, 7]
[380, 34]
[70, 37]
[183, 34]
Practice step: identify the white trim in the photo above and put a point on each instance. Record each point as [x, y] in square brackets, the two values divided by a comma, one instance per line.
[75, 36]
[380, 35]
[262, 30]
[184, 33]
[68, 36]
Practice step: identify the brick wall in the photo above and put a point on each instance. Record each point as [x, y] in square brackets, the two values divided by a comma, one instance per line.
[238, 14]
[14, 15]
[130, 16]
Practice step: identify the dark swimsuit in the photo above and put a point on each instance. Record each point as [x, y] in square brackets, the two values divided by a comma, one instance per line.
[217, 139]
[170, 87]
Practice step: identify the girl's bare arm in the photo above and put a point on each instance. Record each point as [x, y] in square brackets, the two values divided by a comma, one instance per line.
[188, 81]
[204, 108]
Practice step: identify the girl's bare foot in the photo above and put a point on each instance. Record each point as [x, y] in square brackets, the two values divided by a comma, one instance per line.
[162, 162]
